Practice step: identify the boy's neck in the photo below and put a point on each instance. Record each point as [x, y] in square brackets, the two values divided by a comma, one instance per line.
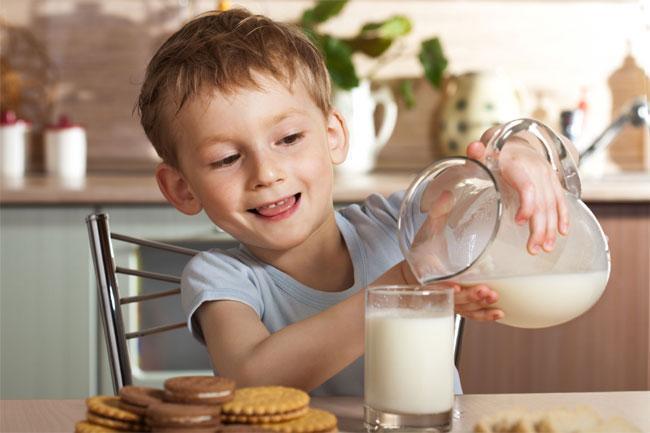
[322, 262]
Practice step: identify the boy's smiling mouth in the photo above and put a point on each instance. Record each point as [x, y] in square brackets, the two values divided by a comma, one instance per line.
[278, 210]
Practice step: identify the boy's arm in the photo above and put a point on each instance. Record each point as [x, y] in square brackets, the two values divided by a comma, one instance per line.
[302, 355]
[307, 353]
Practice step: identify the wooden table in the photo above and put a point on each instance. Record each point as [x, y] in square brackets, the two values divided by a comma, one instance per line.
[61, 415]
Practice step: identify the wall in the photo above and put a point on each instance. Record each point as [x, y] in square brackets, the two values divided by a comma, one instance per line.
[99, 49]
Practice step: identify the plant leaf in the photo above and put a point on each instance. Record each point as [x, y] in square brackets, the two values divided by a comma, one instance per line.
[375, 38]
[338, 59]
[322, 11]
[374, 47]
[406, 91]
[433, 60]
[391, 28]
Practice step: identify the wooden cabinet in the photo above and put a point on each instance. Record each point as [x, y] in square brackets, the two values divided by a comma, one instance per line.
[606, 349]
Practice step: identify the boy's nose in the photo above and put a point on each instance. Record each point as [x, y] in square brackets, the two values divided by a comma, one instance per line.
[266, 172]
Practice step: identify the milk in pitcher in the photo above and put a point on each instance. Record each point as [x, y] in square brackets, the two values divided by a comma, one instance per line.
[539, 301]
[409, 361]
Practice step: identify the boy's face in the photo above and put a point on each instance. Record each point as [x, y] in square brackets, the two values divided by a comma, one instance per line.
[258, 161]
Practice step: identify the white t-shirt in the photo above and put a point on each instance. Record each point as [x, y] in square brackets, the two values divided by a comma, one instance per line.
[370, 233]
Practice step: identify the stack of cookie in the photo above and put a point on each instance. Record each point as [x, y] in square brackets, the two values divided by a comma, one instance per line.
[104, 415]
[277, 409]
[205, 404]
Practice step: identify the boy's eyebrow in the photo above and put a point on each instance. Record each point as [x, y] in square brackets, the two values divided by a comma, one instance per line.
[214, 139]
[281, 116]
[223, 138]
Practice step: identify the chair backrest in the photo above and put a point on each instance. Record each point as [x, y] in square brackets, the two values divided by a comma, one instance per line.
[110, 300]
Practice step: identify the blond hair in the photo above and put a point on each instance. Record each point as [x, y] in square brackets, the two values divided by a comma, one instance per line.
[220, 51]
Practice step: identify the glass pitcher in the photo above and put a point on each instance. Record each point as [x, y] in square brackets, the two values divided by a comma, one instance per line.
[457, 223]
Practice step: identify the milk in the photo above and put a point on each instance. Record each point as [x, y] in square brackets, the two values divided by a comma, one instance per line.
[538, 301]
[409, 361]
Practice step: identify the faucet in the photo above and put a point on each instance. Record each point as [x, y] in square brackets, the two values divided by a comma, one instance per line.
[635, 113]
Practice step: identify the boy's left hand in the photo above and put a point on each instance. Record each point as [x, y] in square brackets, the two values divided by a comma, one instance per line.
[476, 302]
[541, 197]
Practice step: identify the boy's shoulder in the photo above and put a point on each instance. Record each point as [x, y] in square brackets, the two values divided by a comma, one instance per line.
[231, 261]
[375, 206]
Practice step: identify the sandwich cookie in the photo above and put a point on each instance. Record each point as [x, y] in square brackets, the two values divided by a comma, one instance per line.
[200, 390]
[137, 399]
[170, 415]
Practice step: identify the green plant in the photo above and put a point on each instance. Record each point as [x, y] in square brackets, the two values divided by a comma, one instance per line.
[374, 40]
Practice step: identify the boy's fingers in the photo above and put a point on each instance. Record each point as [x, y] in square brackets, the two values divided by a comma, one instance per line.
[487, 135]
[485, 315]
[551, 219]
[471, 307]
[562, 210]
[526, 192]
[537, 231]
[474, 294]
[476, 150]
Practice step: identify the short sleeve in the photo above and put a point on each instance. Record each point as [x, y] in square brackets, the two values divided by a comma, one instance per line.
[217, 276]
[382, 211]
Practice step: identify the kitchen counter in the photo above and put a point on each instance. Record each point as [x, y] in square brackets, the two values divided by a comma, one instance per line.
[142, 189]
[61, 415]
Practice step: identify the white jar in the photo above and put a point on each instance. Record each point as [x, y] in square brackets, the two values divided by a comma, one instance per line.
[13, 145]
[65, 150]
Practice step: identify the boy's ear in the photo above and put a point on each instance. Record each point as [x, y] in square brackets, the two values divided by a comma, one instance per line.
[337, 136]
[176, 190]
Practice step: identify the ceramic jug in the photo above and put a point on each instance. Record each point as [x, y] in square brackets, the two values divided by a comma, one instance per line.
[457, 223]
[472, 103]
[358, 106]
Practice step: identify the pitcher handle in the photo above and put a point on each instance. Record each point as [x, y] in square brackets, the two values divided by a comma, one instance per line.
[384, 97]
[567, 169]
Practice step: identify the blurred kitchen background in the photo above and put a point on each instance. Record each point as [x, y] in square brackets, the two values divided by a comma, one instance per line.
[85, 60]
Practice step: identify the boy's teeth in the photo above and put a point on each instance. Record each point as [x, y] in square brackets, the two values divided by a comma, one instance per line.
[272, 205]
[277, 208]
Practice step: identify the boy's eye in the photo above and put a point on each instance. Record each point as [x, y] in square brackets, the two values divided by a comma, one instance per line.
[291, 139]
[225, 162]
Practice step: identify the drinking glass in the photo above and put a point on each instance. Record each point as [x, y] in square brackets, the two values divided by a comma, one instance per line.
[409, 358]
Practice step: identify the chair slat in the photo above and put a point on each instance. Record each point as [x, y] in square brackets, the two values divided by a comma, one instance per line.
[150, 275]
[154, 244]
[154, 330]
[140, 298]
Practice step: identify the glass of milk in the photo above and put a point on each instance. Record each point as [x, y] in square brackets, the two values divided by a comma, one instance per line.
[409, 358]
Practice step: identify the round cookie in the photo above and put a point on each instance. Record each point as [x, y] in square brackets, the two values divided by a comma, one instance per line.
[136, 399]
[186, 430]
[315, 421]
[183, 415]
[264, 419]
[199, 390]
[86, 427]
[243, 428]
[115, 424]
[267, 401]
[108, 406]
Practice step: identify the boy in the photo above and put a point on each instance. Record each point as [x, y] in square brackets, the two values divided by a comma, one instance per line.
[238, 108]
